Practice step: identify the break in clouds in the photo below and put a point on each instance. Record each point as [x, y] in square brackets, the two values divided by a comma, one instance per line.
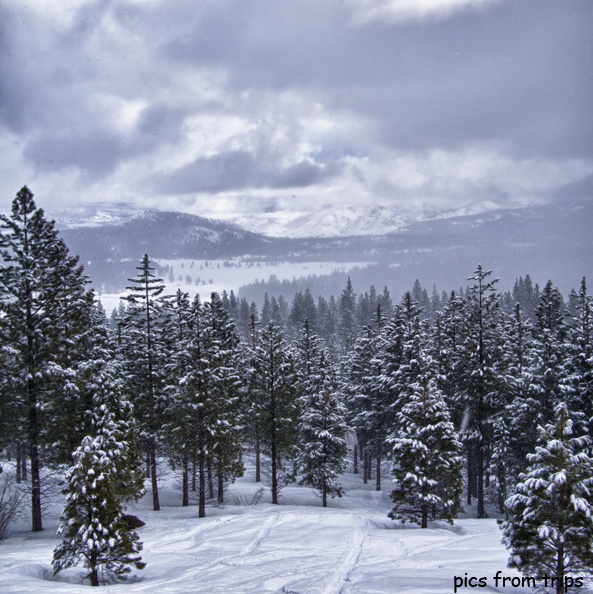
[230, 106]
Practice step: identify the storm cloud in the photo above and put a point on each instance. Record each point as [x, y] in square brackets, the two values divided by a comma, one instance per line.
[419, 105]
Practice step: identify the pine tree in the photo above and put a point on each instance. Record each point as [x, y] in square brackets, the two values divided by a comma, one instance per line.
[323, 449]
[44, 306]
[517, 420]
[348, 323]
[397, 366]
[357, 380]
[222, 351]
[146, 361]
[100, 480]
[275, 404]
[480, 369]
[550, 525]
[177, 428]
[427, 461]
[580, 355]
[551, 367]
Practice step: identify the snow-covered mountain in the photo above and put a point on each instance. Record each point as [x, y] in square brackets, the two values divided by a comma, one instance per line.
[93, 215]
[325, 222]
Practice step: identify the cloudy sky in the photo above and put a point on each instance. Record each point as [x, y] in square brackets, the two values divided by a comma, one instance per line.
[234, 106]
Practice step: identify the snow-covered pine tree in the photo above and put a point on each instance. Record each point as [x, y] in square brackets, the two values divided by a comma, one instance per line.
[99, 482]
[252, 391]
[357, 378]
[145, 360]
[348, 322]
[397, 367]
[223, 354]
[44, 304]
[322, 434]
[275, 405]
[447, 351]
[501, 467]
[515, 428]
[177, 428]
[550, 525]
[427, 460]
[480, 370]
[580, 364]
[551, 347]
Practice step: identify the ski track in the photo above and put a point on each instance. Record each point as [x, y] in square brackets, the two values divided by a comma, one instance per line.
[262, 534]
[341, 574]
[200, 530]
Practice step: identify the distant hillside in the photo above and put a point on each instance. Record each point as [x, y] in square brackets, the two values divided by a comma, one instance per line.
[553, 241]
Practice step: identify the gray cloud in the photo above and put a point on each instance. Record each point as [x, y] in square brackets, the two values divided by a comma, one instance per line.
[516, 73]
[239, 170]
[181, 98]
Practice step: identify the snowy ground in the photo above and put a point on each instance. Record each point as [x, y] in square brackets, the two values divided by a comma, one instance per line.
[297, 546]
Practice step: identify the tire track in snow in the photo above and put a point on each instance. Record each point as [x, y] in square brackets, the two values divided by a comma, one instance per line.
[341, 576]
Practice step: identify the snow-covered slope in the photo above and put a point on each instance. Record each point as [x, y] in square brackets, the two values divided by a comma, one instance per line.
[298, 547]
[93, 215]
[325, 222]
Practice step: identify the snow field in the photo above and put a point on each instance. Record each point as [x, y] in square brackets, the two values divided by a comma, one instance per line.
[297, 546]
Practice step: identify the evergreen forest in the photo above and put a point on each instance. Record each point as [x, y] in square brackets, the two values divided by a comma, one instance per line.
[444, 399]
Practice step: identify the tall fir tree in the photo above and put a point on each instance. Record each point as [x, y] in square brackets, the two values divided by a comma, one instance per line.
[177, 427]
[275, 404]
[480, 367]
[223, 354]
[146, 361]
[357, 381]
[93, 528]
[427, 459]
[44, 306]
[323, 448]
[580, 355]
[550, 525]
[551, 365]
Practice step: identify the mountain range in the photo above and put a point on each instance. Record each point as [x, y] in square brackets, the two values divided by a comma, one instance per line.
[552, 241]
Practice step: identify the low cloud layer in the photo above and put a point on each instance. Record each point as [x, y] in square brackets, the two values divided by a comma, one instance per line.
[229, 105]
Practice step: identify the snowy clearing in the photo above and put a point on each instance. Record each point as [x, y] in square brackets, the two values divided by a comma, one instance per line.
[298, 547]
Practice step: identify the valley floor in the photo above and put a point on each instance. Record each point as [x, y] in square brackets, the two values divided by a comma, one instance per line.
[295, 547]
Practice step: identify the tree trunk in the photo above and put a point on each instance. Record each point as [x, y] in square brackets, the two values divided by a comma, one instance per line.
[202, 486]
[480, 482]
[378, 477]
[153, 476]
[220, 484]
[355, 471]
[365, 471]
[560, 568]
[274, 474]
[23, 462]
[36, 514]
[324, 493]
[424, 516]
[193, 473]
[94, 571]
[257, 460]
[19, 453]
[185, 502]
[210, 479]
[470, 475]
